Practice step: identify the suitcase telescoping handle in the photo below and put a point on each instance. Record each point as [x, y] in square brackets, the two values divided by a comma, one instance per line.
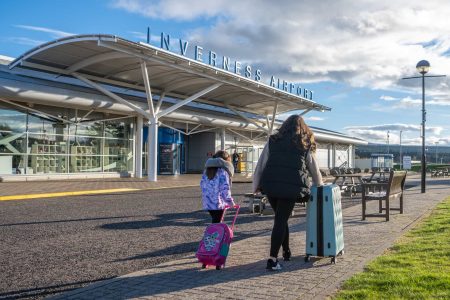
[237, 207]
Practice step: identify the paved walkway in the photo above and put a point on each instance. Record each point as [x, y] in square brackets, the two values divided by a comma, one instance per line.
[245, 276]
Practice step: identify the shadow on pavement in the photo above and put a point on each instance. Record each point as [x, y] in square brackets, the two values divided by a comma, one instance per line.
[150, 284]
[185, 248]
[47, 290]
[195, 218]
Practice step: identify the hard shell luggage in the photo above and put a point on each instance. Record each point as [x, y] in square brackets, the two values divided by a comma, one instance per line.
[324, 224]
[215, 244]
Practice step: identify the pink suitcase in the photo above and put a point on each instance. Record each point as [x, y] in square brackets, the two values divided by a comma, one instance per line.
[215, 245]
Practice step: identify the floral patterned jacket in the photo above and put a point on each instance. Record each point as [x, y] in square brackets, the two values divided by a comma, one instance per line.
[216, 193]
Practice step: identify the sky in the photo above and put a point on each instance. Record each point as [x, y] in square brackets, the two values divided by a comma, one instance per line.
[351, 54]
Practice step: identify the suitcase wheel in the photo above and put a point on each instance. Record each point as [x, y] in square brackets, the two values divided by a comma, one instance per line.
[204, 266]
[341, 252]
[218, 267]
[333, 260]
[307, 258]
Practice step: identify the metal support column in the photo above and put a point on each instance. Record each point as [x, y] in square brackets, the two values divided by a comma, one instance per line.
[424, 159]
[139, 144]
[152, 149]
[333, 155]
[222, 139]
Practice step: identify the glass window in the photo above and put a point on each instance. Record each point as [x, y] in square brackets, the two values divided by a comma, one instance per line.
[36, 143]
[12, 164]
[12, 120]
[85, 154]
[118, 129]
[118, 150]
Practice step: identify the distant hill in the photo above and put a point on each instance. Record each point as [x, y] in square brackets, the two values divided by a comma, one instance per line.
[443, 152]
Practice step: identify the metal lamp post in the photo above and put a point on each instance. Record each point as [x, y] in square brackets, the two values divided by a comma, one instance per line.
[423, 67]
[436, 143]
[388, 141]
[401, 159]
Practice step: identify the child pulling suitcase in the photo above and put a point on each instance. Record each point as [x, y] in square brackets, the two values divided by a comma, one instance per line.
[215, 244]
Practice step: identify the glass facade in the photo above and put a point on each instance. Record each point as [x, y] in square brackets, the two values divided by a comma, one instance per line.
[62, 140]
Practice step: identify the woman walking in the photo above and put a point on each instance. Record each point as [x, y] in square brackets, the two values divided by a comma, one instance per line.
[282, 175]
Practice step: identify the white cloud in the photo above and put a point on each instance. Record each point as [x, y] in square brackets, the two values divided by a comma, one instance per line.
[54, 33]
[173, 9]
[410, 133]
[143, 36]
[312, 118]
[363, 43]
[6, 58]
[397, 127]
[25, 41]
[388, 98]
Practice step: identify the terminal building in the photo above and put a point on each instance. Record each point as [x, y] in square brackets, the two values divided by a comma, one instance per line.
[96, 106]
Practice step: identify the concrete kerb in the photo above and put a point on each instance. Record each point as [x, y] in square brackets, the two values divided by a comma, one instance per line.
[245, 272]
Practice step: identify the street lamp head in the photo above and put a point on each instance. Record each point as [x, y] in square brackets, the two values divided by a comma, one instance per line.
[423, 67]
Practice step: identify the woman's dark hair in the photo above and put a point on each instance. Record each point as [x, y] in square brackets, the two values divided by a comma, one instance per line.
[212, 171]
[300, 134]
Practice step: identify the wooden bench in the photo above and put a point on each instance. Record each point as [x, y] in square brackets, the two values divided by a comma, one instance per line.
[256, 202]
[259, 204]
[386, 192]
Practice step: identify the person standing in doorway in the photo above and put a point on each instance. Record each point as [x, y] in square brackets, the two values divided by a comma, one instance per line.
[216, 185]
[282, 175]
[236, 159]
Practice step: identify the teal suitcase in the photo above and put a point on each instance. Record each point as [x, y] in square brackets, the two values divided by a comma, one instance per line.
[324, 228]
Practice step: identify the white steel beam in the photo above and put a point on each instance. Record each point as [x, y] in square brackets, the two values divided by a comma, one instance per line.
[222, 139]
[173, 128]
[306, 111]
[113, 82]
[139, 144]
[258, 136]
[113, 96]
[192, 130]
[103, 120]
[188, 100]
[148, 89]
[233, 82]
[36, 111]
[274, 114]
[239, 134]
[246, 119]
[86, 115]
[152, 149]
[203, 130]
[160, 101]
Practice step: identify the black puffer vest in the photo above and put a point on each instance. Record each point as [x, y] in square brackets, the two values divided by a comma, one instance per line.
[285, 174]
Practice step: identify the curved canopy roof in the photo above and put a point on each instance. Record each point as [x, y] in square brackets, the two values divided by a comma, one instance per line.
[111, 60]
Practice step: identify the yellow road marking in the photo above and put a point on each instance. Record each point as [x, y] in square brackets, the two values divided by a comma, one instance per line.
[62, 194]
[88, 192]
[170, 187]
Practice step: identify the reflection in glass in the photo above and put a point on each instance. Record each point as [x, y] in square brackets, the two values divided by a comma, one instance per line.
[37, 143]
[85, 154]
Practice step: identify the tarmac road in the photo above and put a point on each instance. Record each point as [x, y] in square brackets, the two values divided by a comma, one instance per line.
[53, 245]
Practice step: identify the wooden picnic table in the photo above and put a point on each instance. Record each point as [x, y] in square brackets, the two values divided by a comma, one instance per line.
[349, 186]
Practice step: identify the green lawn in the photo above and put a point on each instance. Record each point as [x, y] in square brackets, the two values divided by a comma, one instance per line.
[416, 267]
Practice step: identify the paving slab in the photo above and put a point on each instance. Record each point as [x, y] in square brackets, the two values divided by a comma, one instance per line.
[245, 276]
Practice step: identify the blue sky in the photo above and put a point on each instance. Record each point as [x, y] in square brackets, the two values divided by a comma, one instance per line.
[352, 55]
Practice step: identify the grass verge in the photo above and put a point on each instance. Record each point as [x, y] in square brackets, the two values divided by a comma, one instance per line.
[416, 267]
